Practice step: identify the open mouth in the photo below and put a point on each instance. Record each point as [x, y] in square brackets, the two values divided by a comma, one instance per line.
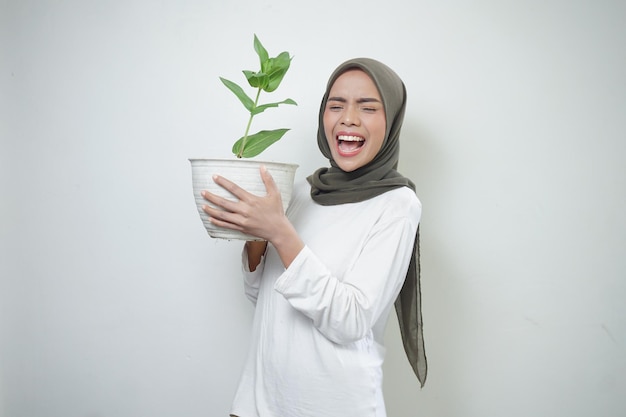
[348, 144]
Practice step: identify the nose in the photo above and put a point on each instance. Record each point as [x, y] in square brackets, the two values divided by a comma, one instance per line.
[350, 116]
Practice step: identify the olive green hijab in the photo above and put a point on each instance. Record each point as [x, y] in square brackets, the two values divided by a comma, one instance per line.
[331, 186]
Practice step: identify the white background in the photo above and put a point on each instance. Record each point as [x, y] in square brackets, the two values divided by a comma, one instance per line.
[114, 302]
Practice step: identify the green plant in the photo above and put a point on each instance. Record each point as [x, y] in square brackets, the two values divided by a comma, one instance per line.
[267, 79]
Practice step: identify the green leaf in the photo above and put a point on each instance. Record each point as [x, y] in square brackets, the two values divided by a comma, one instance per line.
[263, 107]
[257, 143]
[253, 78]
[277, 69]
[256, 79]
[261, 51]
[238, 91]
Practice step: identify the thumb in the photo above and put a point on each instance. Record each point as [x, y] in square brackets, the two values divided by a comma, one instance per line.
[268, 180]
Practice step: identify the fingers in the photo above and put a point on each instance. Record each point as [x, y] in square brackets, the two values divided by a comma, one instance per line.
[221, 217]
[219, 201]
[231, 187]
[240, 193]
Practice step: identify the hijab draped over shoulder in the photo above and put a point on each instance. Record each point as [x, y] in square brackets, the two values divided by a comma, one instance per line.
[330, 186]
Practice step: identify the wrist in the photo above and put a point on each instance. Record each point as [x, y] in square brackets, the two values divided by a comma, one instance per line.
[288, 244]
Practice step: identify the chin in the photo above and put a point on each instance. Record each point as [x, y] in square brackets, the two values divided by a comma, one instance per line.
[348, 167]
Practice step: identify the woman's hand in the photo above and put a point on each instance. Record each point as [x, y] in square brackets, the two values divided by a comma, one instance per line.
[254, 215]
[260, 216]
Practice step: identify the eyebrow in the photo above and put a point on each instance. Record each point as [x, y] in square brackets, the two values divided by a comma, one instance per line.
[361, 100]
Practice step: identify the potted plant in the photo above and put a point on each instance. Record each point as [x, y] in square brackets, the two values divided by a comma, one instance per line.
[242, 170]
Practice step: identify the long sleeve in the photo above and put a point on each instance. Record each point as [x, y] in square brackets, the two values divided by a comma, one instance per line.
[345, 309]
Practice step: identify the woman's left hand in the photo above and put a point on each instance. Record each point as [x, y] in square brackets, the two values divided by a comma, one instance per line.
[260, 216]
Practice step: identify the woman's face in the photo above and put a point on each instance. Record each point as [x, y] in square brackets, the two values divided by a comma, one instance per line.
[354, 120]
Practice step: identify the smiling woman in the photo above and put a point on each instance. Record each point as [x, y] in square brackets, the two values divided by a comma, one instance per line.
[354, 120]
[328, 272]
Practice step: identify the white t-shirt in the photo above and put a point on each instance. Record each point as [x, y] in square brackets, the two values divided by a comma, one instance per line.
[317, 335]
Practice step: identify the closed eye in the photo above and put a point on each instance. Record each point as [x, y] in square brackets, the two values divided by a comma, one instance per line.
[335, 103]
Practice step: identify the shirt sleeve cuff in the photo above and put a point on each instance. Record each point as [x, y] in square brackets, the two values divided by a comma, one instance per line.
[283, 282]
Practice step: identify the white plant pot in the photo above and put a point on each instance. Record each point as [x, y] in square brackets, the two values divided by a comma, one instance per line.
[246, 174]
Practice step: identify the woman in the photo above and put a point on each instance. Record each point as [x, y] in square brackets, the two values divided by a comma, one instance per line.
[335, 263]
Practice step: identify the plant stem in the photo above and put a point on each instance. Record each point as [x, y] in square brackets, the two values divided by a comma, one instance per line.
[245, 135]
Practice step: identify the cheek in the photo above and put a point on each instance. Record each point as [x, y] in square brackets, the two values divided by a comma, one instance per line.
[378, 130]
[382, 127]
[328, 125]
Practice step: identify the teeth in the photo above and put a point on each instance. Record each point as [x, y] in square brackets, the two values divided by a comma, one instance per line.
[351, 138]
